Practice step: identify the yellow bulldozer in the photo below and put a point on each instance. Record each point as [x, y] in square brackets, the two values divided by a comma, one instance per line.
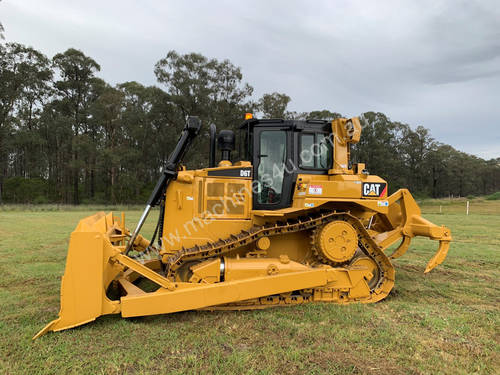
[291, 222]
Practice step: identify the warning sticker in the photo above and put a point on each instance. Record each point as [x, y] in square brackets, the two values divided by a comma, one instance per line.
[315, 189]
[383, 203]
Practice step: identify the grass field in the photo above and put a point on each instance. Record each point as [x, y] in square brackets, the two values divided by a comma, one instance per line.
[445, 322]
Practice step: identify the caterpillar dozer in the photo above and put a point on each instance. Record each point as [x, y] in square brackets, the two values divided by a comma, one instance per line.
[291, 222]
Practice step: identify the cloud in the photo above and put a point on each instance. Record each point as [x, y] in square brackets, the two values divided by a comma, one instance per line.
[430, 63]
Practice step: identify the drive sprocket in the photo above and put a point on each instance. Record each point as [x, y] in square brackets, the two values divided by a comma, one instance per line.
[335, 243]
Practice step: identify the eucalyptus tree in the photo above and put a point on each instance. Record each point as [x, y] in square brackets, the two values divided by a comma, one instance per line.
[273, 105]
[76, 89]
[379, 148]
[323, 115]
[414, 148]
[107, 112]
[209, 88]
[25, 77]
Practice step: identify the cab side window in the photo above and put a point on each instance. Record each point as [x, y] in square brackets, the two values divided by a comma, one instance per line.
[316, 151]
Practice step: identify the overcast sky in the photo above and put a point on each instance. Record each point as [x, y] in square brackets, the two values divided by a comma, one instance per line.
[430, 63]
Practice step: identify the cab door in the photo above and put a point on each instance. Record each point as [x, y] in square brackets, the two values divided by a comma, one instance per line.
[274, 170]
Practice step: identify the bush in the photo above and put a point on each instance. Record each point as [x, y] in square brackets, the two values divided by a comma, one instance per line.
[99, 199]
[41, 199]
[421, 195]
[24, 190]
[494, 196]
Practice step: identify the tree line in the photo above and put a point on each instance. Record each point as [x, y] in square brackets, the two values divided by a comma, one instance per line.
[67, 136]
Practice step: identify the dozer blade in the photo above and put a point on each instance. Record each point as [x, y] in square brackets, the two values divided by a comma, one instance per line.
[404, 221]
[88, 272]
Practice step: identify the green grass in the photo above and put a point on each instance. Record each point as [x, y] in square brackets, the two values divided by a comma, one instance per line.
[447, 321]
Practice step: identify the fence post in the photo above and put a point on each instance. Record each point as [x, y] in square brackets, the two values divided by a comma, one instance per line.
[467, 207]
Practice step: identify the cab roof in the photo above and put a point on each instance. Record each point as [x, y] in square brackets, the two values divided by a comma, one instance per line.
[298, 124]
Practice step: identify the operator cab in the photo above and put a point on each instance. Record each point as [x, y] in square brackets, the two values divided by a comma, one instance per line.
[279, 150]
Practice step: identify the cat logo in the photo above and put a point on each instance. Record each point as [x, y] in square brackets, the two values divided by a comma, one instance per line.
[374, 189]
